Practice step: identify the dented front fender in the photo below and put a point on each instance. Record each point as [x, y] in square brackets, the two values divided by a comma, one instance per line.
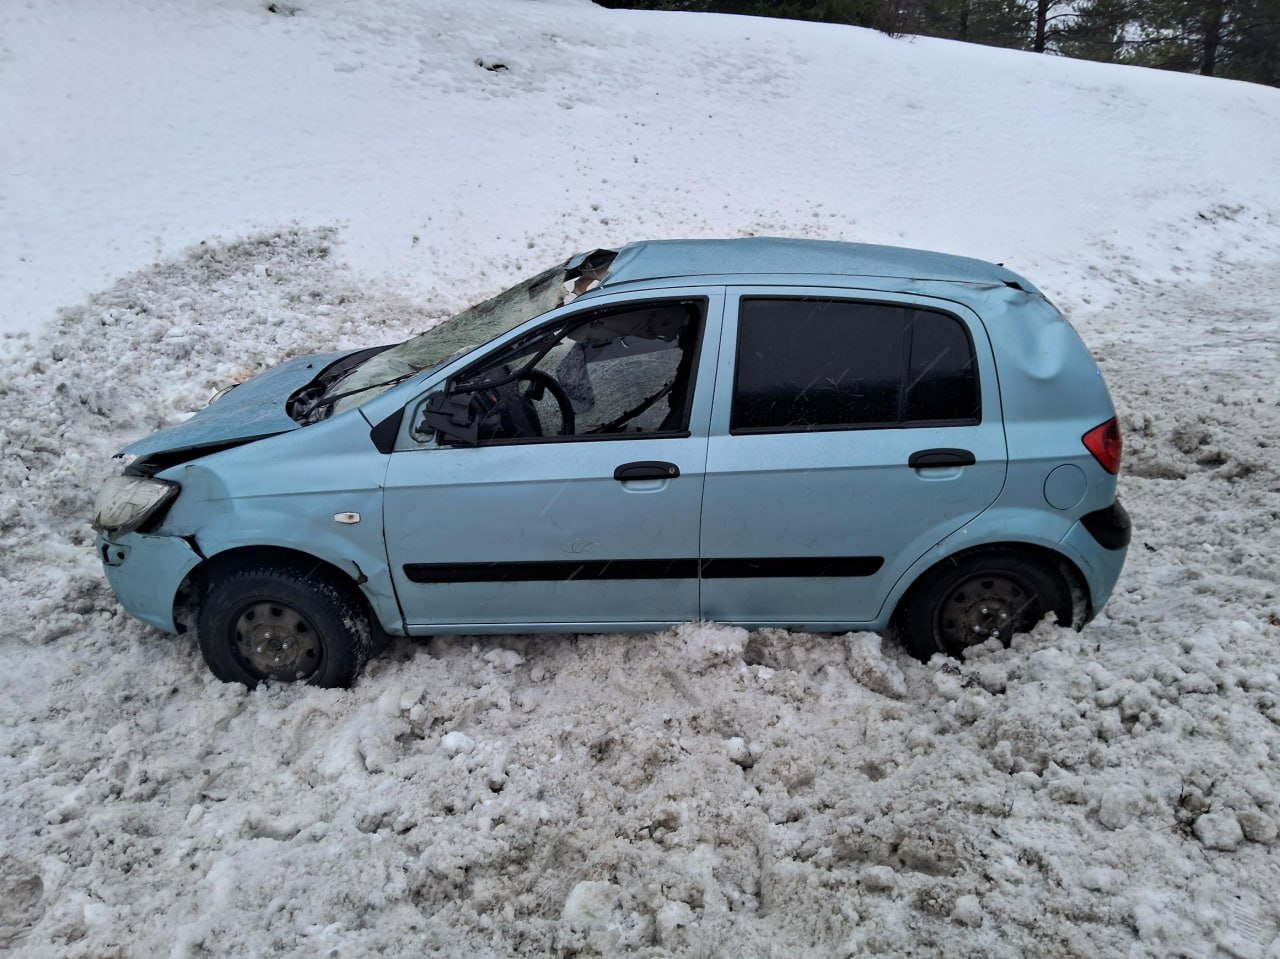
[317, 491]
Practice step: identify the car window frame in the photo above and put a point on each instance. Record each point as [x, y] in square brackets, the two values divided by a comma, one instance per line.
[710, 298]
[872, 298]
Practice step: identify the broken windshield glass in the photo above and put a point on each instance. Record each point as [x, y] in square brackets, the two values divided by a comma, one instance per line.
[355, 381]
[450, 338]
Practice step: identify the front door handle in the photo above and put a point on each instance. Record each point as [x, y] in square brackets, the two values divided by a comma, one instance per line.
[645, 470]
[924, 459]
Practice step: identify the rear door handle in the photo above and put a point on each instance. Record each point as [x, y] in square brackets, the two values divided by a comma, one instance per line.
[924, 459]
[646, 469]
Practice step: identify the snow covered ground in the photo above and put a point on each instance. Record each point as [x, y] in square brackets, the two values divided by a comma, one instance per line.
[210, 188]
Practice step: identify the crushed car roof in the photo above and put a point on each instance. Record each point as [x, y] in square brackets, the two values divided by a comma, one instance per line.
[664, 259]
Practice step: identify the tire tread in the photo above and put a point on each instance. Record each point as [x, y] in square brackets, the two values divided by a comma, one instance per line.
[339, 615]
[913, 623]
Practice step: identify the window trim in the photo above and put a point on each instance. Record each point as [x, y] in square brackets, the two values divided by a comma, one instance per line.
[701, 301]
[905, 371]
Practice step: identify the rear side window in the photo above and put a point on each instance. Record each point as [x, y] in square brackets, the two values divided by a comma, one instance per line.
[814, 364]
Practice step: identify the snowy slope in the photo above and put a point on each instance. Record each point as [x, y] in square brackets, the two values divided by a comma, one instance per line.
[135, 128]
[704, 791]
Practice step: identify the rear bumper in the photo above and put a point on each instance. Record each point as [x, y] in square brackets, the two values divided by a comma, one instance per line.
[145, 573]
[1098, 545]
[1110, 526]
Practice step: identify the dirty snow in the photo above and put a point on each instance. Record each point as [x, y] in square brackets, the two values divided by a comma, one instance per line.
[702, 791]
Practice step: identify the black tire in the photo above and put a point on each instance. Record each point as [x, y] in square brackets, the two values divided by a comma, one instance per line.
[284, 624]
[980, 595]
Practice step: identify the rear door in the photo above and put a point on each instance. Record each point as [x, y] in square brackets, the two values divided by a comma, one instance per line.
[849, 435]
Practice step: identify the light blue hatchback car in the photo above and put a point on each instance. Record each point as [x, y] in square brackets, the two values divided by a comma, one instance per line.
[767, 432]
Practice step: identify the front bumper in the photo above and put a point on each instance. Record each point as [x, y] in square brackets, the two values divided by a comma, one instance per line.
[145, 573]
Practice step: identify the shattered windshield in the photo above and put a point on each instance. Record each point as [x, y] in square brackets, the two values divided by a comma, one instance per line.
[461, 333]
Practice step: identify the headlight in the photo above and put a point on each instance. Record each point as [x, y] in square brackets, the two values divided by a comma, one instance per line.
[126, 502]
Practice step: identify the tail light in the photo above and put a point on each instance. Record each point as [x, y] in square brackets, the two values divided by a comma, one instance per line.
[1106, 445]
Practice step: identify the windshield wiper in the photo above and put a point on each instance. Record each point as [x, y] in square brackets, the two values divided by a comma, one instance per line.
[330, 400]
[309, 414]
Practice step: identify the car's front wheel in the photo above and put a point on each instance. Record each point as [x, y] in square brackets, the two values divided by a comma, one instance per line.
[284, 624]
[974, 597]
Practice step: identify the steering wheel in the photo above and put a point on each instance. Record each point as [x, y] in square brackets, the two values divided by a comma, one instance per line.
[540, 380]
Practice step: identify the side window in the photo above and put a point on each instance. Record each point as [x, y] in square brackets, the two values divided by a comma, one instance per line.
[616, 372]
[942, 379]
[818, 364]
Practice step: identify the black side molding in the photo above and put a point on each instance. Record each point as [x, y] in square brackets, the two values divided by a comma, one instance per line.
[782, 567]
[800, 567]
[551, 572]
[1109, 526]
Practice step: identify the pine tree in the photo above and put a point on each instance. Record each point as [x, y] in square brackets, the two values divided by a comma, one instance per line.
[1239, 39]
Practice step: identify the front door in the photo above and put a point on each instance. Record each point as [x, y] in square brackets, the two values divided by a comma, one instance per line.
[579, 503]
[851, 437]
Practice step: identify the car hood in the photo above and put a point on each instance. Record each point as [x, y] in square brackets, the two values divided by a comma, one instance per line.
[252, 410]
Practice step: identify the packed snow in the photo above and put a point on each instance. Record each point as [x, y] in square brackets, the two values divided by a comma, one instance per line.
[208, 189]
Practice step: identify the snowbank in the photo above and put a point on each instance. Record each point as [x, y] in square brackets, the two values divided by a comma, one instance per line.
[1108, 792]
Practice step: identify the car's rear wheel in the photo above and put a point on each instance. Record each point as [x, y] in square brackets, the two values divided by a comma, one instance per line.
[283, 624]
[978, 596]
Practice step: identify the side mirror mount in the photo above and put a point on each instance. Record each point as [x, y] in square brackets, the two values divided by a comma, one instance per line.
[450, 415]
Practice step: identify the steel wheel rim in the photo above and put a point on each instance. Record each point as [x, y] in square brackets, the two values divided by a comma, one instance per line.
[986, 606]
[275, 641]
